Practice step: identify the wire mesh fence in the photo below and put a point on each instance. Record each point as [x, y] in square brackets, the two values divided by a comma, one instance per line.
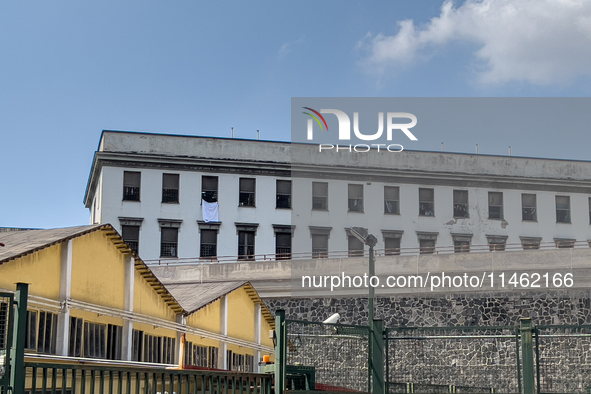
[339, 353]
[563, 359]
[453, 360]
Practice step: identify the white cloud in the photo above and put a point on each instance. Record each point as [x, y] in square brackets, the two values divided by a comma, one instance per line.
[538, 41]
[287, 47]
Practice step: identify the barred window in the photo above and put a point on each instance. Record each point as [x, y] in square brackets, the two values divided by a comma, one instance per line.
[170, 188]
[283, 246]
[209, 243]
[94, 340]
[319, 246]
[392, 246]
[131, 185]
[169, 242]
[209, 188]
[247, 192]
[76, 334]
[47, 334]
[320, 196]
[245, 245]
[131, 236]
[283, 194]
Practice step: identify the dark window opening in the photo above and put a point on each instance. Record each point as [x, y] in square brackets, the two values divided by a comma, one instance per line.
[461, 246]
[131, 236]
[170, 188]
[47, 337]
[94, 340]
[320, 196]
[495, 205]
[209, 243]
[76, 334]
[461, 204]
[426, 246]
[131, 185]
[528, 207]
[209, 188]
[282, 246]
[355, 198]
[562, 209]
[319, 246]
[247, 192]
[245, 245]
[426, 202]
[392, 246]
[283, 194]
[356, 247]
[391, 200]
[169, 242]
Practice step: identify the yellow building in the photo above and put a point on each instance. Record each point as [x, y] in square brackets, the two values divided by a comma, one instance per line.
[91, 296]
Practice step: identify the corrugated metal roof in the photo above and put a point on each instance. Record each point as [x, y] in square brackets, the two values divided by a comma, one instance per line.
[194, 296]
[21, 243]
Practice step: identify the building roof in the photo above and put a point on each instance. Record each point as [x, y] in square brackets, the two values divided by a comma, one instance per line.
[18, 244]
[194, 296]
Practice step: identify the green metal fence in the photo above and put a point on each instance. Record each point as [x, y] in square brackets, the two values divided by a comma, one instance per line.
[44, 378]
[563, 358]
[453, 360]
[339, 353]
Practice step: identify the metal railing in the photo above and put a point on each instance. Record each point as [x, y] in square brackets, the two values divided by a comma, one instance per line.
[321, 253]
[89, 379]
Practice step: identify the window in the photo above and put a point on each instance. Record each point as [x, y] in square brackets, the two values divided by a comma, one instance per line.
[209, 188]
[169, 242]
[426, 246]
[209, 243]
[496, 242]
[131, 185]
[495, 205]
[320, 196]
[356, 247]
[245, 245]
[94, 340]
[427, 242]
[392, 246]
[391, 200]
[75, 345]
[31, 338]
[47, 334]
[589, 210]
[461, 204]
[283, 194]
[282, 246]
[4, 324]
[131, 236]
[531, 242]
[153, 349]
[170, 188]
[114, 345]
[137, 346]
[564, 243]
[426, 202]
[562, 209]
[355, 198]
[319, 246]
[200, 356]
[247, 190]
[528, 207]
[461, 242]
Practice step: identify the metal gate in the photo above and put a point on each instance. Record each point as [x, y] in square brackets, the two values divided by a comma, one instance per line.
[6, 325]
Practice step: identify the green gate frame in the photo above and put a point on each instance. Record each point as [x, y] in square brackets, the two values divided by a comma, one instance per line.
[13, 380]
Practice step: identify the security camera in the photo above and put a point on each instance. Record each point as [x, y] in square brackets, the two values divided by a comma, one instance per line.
[333, 319]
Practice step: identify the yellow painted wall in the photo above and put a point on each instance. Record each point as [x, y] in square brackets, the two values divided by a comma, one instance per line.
[92, 317]
[154, 330]
[147, 302]
[207, 318]
[240, 315]
[98, 271]
[40, 269]
[198, 340]
[265, 340]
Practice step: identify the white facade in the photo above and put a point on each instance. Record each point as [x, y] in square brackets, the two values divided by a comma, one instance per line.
[194, 157]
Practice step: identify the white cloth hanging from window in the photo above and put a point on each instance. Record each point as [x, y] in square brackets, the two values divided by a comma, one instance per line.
[210, 211]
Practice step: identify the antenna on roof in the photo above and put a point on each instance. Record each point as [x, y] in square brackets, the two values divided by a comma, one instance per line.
[443, 146]
[258, 134]
[232, 132]
[510, 151]
[476, 148]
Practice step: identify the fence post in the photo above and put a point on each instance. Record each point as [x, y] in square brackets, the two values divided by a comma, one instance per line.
[17, 352]
[280, 352]
[377, 355]
[527, 354]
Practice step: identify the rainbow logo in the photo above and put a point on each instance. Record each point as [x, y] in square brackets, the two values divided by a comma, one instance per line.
[315, 118]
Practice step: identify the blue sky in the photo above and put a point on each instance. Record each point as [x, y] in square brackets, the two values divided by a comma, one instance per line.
[69, 69]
